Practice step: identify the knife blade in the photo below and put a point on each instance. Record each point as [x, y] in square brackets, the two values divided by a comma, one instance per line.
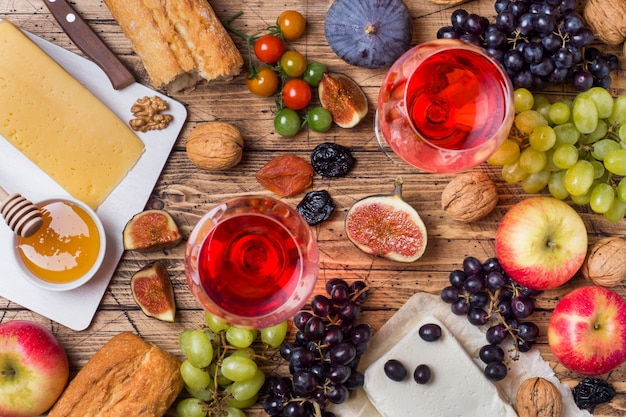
[87, 41]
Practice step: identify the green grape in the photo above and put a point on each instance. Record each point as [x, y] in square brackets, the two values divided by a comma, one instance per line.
[507, 153]
[197, 347]
[565, 156]
[597, 134]
[585, 114]
[535, 182]
[532, 160]
[233, 412]
[231, 402]
[617, 211]
[618, 115]
[556, 187]
[238, 368]
[559, 113]
[621, 190]
[615, 161]
[542, 138]
[566, 133]
[540, 100]
[205, 395]
[275, 335]
[195, 378]
[244, 390]
[241, 338]
[528, 119]
[191, 407]
[602, 99]
[215, 323]
[581, 200]
[222, 381]
[246, 353]
[579, 178]
[550, 166]
[598, 169]
[512, 173]
[621, 132]
[523, 100]
[601, 198]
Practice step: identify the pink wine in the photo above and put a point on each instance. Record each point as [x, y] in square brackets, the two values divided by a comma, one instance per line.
[249, 265]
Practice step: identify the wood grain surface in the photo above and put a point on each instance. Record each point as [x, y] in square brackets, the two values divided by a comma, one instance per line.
[188, 192]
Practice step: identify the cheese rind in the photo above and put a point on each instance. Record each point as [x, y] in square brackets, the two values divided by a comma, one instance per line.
[58, 124]
[457, 387]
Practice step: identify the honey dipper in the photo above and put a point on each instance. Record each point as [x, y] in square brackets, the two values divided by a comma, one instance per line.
[22, 216]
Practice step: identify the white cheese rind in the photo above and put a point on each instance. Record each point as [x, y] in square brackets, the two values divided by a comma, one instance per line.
[457, 386]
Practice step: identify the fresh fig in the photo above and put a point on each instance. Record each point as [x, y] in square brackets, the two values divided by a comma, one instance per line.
[343, 98]
[387, 226]
[152, 290]
[151, 230]
[368, 33]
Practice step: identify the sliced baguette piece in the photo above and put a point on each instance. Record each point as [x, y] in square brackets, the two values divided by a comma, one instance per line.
[127, 377]
[180, 42]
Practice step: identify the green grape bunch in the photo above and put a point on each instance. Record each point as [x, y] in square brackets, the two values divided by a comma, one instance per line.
[574, 148]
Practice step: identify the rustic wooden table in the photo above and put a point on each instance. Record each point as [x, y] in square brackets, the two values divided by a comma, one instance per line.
[188, 192]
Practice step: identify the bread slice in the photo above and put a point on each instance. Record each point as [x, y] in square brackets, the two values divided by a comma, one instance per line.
[179, 42]
[127, 377]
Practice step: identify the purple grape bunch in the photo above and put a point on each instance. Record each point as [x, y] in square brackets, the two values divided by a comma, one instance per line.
[325, 354]
[487, 296]
[539, 43]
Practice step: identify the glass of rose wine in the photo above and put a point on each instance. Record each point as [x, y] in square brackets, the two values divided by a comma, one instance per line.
[444, 106]
[252, 261]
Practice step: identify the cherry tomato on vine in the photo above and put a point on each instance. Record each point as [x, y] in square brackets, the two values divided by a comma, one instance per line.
[293, 63]
[269, 49]
[313, 73]
[292, 24]
[296, 94]
[287, 122]
[264, 84]
[319, 119]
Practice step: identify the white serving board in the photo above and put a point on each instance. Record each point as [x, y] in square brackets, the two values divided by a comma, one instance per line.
[76, 308]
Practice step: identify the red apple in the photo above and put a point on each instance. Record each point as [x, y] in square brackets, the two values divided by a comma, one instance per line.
[33, 369]
[587, 330]
[541, 242]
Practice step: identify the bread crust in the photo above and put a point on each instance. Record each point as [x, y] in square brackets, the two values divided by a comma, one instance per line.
[126, 377]
[180, 42]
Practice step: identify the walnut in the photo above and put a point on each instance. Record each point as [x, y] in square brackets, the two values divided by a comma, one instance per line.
[215, 146]
[148, 116]
[605, 264]
[607, 19]
[538, 397]
[469, 196]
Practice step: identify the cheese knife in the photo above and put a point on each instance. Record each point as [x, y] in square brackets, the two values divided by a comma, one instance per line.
[87, 41]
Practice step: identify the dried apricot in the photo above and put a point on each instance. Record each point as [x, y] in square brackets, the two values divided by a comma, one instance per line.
[286, 175]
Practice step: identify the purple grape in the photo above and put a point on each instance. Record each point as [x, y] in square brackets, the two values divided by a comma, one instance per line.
[492, 265]
[340, 294]
[477, 316]
[447, 32]
[349, 311]
[321, 305]
[458, 19]
[361, 334]
[495, 280]
[474, 284]
[333, 335]
[471, 266]
[495, 371]
[273, 405]
[522, 306]
[294, 409]
[528, 331]
[430, 332]
[333, 282]
[338, 374]
[395, 370]
[337, 393]
[301, 358]
[479, 299]
[342, 353]
[450, 294]
[491, 353]
[422, 374]
[497, 334]
[460, 307]
[355, 381]
[314, 328]
[358, 291]
[457, 278]
[304, 383]
[300, 319]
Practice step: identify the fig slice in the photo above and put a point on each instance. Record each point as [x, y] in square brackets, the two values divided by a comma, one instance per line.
[151, 230]
[152, 290]
[343, 98]
[387, 226]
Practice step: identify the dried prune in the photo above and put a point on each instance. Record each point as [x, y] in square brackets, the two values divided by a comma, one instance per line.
[332, 160]
[592, 391]
[315, 207]
[286, 175]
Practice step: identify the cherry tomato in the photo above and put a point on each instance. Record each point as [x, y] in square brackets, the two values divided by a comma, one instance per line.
[319, 119]
[269, 49]
[293, 63]
[264, 84]
[296, 94]
[287, 122]
[313, 73]
[292, 24]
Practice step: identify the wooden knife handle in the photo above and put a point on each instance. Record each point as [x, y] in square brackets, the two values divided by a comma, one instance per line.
[88, 42]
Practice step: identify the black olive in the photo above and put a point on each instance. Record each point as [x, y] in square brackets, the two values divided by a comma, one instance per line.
[315, 207]
[332, 160]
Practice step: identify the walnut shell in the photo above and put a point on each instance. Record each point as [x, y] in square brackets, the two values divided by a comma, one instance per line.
[607, 19]
[605, 264]
[469, 196]
[215, 146]
[538, 397]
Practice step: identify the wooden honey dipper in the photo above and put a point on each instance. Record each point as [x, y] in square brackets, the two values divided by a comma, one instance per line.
[22, 216]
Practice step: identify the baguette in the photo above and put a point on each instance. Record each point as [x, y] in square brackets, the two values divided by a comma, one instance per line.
[127, 377]
[179, 42]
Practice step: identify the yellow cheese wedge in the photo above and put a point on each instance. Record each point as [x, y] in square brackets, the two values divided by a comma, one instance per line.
[58, 124]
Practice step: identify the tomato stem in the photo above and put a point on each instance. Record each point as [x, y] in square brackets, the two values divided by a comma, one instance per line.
[250, 39]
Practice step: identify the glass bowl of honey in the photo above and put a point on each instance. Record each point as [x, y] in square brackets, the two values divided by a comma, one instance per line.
[66, 251]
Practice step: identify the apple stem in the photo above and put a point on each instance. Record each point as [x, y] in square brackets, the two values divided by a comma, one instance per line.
[9, 373]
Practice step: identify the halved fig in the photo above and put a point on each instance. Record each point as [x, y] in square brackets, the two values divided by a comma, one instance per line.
[152, 290]
[343, 98]
[387, 226]
[151, 230]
